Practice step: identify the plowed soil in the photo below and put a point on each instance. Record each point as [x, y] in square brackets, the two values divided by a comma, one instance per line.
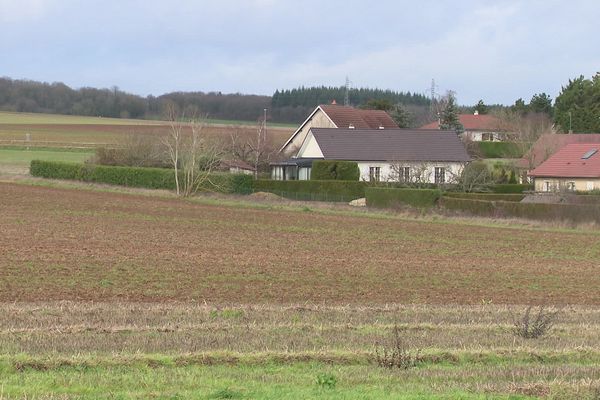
[72, 244]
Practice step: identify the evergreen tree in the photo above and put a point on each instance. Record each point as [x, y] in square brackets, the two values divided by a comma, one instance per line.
[520, 107]
[541, 103]
[449, 118]
[401, 116]
[481, 108]
[577, 107]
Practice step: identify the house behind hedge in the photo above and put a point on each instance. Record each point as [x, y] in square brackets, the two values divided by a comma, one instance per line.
[397, 155]
[575, 167]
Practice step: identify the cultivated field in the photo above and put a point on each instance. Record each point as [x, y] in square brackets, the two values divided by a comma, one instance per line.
[76, 131]
[76, 244]
[109, 293]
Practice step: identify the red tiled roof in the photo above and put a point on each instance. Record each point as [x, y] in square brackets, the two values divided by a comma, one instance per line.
[473, 122]
[568, 163]
[550, 143]
[344, 116]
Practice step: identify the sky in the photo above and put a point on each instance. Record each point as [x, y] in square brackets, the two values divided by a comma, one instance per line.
[497, 51]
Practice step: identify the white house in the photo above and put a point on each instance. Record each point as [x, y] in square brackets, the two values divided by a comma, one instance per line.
[479, 127]
[409, 155]
[335, 116]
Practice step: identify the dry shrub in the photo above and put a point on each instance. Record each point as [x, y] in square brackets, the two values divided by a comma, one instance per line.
[395, 354]
[536, 325]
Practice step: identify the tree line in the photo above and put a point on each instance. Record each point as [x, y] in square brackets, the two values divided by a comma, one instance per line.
[284, 106]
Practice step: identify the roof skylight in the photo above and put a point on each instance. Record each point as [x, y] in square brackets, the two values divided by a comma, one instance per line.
[589, 153]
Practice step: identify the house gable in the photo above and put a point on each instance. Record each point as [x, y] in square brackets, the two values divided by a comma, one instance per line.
[318, 118]
[310, 148]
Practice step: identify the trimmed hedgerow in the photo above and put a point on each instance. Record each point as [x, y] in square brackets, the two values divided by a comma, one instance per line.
[487, 196]
[500, 149]
[538, 211]
[151, 178]
[324, 170]
[510, 188]
[476, 207]
[313, 190]
[392, 197]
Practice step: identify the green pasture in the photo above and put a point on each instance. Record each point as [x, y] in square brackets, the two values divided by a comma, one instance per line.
[21, 157]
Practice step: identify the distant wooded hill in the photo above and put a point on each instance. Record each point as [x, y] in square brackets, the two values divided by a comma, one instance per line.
[284, 106]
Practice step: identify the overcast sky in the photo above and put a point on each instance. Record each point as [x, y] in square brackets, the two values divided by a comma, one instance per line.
[494, 50]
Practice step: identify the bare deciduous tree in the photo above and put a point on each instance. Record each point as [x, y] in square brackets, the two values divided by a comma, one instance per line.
[191, 154]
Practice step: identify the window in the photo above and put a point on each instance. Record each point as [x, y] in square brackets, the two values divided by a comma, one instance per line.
[571, 186]
[440, 175]
[547, 186]
[589, 154]
[374, 174]
[404, 174]
[590, 185]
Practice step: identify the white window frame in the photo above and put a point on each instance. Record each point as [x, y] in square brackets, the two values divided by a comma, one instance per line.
[374, 174]
[439, 175]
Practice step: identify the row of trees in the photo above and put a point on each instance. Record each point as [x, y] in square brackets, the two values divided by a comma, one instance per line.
[284, 106]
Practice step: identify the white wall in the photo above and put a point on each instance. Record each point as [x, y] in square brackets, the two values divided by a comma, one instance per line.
[427, 170]
[310, 148]
[318, 120]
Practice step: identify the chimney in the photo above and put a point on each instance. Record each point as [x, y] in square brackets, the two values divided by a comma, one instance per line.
[476, 112]
[351, 126]
[333, 102]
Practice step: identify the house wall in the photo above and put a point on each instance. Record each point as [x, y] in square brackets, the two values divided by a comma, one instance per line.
[559, 184]
[424, 171]
[477, 136]
[318, 120]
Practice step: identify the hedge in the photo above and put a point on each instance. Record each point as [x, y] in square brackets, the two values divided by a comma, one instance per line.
[391, 197]
[151, 178]
[487, 196]
[313, 190]
[510, 188]
[539, 211]
[323, 170]
[500, 150]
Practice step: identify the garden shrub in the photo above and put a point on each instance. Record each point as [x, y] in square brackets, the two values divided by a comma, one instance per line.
[324, 170]
[391, 197]
[500, 150]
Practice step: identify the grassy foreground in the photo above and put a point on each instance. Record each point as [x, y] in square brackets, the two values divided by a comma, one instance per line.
[185, 350]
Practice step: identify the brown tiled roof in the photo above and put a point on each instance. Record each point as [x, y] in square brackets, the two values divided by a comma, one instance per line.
[343, 117]
[549, 144]
[390, 145]
[568, 162]
[473, 122]
[237, 164]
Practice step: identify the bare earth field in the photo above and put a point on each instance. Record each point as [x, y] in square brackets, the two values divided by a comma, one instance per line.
[73, 131]
[85, 245]
[110, 295]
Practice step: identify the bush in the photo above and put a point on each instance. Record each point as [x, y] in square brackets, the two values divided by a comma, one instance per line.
[500, 150]
[326, 381]
[487, 196]
[395, 354]
[313, 190]
[533, 327]
[510, 188]
[151, 178]
[391, 197]
[324, 170]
